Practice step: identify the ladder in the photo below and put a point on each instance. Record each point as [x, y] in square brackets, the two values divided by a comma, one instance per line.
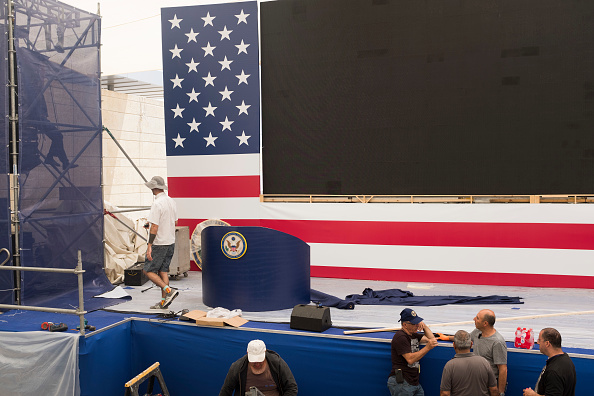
[150, 373]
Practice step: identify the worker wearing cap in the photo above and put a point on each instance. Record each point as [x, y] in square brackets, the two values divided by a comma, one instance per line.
[406, 354]
[161, 244]
[260, 368]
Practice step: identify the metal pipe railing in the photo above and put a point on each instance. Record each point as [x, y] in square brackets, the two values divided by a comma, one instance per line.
[80, 311]
[107, 212]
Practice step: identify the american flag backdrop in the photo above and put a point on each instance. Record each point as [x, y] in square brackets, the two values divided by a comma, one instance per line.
[212, 99]
[212, 121]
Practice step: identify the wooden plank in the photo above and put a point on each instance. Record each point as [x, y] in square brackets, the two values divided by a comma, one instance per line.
[472, 321]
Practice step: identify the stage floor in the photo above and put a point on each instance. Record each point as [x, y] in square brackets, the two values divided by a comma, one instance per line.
[575, 329]
[123, 344]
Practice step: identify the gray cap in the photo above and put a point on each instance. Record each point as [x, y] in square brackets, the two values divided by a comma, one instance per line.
[156, 182]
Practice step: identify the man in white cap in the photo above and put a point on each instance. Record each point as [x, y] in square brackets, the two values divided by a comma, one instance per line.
[260, 368]
[162, 220]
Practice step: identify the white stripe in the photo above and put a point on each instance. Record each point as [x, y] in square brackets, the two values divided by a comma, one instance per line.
[218, 208]
[463, 259]
[251, 208]
[213, 165]
[466, 259]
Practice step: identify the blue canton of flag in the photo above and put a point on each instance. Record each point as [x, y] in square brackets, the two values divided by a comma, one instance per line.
[211, 79]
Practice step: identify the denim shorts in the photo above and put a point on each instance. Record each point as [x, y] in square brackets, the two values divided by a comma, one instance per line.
[162, 255]
[404, 389]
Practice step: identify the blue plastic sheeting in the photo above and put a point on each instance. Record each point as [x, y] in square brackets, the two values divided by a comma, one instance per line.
[6, 277]
[403, 297]
[195, 360]
[60, 202]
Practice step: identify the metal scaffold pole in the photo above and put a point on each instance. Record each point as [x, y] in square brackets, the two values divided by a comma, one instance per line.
[13, 118]
[125, 153]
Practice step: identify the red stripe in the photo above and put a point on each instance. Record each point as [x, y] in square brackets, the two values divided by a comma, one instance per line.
[549, 232]
[492, 235]
[465, 278]
[214, 187]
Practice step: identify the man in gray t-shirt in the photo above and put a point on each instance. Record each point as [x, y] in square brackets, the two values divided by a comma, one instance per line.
[488, 343]
[467, 374]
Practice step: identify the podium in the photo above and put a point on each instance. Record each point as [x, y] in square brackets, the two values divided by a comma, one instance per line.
[254, 269]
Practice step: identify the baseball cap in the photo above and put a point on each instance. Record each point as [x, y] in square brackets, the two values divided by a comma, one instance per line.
[256, 351]
[408, 315]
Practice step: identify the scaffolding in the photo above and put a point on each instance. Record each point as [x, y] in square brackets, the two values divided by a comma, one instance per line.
[53, 103]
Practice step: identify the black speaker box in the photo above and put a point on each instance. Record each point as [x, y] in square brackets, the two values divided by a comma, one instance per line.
[310, 317]
[135, 276]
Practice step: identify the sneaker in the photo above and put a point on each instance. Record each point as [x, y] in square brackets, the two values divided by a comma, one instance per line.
[158, 305]
[169, 297]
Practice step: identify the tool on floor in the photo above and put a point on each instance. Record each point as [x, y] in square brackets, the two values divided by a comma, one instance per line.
[150, 373]
[87, 326]
[54, 326]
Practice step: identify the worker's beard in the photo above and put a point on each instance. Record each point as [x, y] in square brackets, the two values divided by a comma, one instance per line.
[258, 368]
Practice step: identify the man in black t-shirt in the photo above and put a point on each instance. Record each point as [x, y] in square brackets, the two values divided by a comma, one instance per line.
[406, 354]
[558, 375]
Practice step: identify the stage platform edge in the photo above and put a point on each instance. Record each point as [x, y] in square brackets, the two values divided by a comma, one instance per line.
[193, 357]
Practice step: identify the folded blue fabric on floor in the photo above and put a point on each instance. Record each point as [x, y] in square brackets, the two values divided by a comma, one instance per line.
[326, 300]
[404, 297]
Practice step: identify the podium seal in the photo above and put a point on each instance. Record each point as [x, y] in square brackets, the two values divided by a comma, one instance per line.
[233, 245]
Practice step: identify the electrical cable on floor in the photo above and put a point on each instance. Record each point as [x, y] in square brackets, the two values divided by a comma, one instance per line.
[166, 317]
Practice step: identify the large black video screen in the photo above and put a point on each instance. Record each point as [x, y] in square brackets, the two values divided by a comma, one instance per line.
[428, 97]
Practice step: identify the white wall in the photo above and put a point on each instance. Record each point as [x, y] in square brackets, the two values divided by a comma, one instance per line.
[138, 125]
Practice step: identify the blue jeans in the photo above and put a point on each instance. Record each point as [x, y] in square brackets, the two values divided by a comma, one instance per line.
[404, 389]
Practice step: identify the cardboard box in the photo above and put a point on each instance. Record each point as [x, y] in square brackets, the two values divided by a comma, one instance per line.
[199, 317]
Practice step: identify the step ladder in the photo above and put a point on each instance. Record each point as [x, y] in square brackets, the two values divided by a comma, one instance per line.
[150, 373]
